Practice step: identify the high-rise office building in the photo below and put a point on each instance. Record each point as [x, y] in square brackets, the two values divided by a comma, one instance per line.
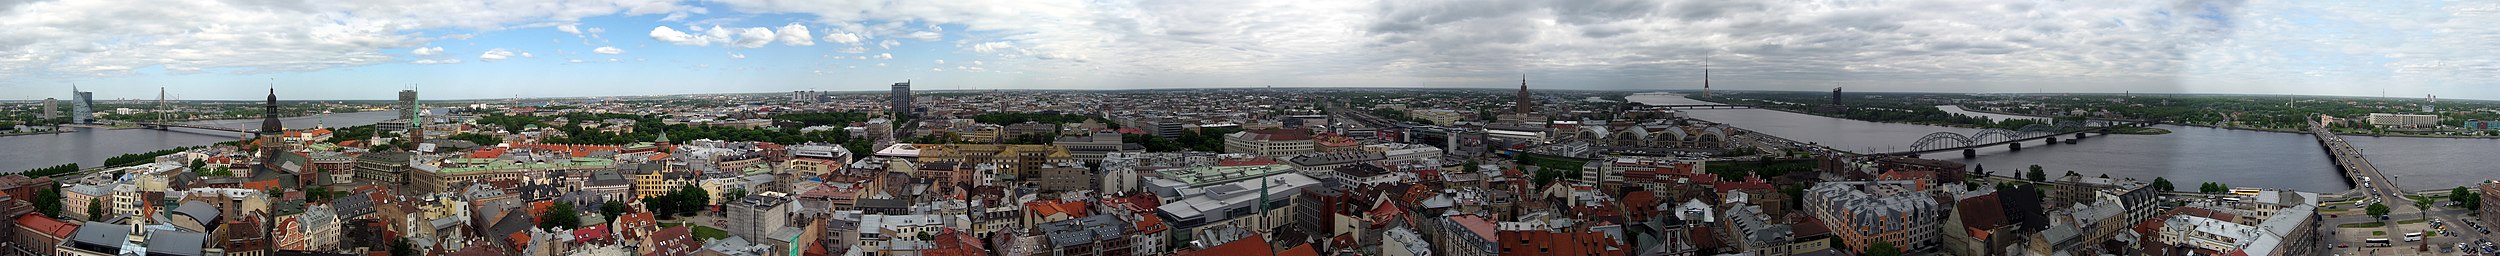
[408, 108]
[1522, 107]
[902, 99]
[82, 106]
[49, 111]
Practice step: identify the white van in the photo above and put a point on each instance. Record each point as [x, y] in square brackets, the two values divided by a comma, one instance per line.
[2413, 237]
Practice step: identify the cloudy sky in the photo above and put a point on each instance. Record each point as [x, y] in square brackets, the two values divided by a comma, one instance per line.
[367, 49]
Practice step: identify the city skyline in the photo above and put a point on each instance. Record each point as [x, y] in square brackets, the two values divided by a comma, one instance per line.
[214, 50]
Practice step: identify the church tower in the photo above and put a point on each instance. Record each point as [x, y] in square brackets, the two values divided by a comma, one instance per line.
[271, 132]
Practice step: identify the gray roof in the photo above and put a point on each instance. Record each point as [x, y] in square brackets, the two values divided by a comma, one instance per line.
[100, 233]
[170, 242]
[1073, 232]
[199, 211]
[353, 205]
[608, 178]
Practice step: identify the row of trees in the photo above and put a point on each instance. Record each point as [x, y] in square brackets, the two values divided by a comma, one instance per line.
[1203, 139]
[49, 171]
[684, 201]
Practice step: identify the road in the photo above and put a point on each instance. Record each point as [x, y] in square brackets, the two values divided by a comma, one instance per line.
[2374, 184]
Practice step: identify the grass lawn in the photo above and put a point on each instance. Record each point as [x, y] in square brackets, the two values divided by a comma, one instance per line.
[2372, 224]
[2412, 221]
[2378, 233]
[702, 232]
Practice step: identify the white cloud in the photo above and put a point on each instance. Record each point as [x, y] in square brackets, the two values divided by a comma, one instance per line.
[495, 55]
[573, 61]
[853, 49]
[672, 36]
[754, 37]
[70, 39]
[796, 35]
[608, 50]
[976, 63]
[888, 44]
[941, 62]
[989, 47]
[433, 61]
[570, 29]
[925, 36]
[427, 51]
[736, 56]
[843, 38]
[527, 55]
[885, 56]
[595, 30]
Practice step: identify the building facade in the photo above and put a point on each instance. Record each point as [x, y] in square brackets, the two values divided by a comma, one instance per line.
[1862, 213]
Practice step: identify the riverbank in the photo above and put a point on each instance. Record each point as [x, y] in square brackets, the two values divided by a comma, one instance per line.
[2418, 136]
[54, 131]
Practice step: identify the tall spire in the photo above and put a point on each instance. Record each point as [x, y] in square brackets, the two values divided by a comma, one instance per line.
[1705, 76]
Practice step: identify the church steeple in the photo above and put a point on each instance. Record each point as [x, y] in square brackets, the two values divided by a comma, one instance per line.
[269, 123]
[1523, 106]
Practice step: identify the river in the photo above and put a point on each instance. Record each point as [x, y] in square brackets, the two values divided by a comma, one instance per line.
[89, 146]
[2187, 156]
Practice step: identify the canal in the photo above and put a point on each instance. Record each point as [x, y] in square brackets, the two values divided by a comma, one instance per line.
[89, 146]
[2187, 156]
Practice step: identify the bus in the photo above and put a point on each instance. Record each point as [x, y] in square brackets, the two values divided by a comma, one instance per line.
[2376, 242]
[2415, 236]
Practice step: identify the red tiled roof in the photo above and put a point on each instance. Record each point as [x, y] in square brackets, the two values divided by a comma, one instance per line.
[1559, 243]
[677, 240]
[1981, 214]
[487, 153]
[1253, 245]
[1474, 224]
[262, 185]
[47, 226]
[1303, 250]
[1074, 209]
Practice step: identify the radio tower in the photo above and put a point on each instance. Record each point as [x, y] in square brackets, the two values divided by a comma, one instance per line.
[1705, 77]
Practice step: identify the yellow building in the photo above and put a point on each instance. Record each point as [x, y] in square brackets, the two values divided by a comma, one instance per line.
[1015, 160]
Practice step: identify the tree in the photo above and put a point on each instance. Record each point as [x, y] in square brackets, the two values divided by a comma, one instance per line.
[2071, 173]
[95, 209]
[660, 205]
[611, 209]
[735, 193]
[2036, 174]
[690, 199]
[48, 202]
[2377, 210]
[2162, 184]
[560, 216]
[2466, 198]
[1979, 169]
[401, 247]
[1882, 248]
[2423, 204]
